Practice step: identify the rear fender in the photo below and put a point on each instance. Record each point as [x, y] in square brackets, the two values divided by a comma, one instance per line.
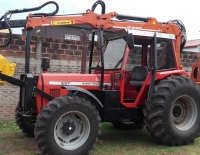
[70, 89]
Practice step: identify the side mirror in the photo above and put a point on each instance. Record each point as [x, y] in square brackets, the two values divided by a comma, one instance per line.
[130, 41]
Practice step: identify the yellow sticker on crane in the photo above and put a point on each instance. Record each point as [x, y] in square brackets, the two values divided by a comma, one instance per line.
[62, 22]
[154, 22]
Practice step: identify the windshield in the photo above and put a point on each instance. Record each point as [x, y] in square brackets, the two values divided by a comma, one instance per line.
[113, 54]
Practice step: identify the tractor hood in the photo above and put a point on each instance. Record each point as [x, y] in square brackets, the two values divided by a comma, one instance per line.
[86, 81]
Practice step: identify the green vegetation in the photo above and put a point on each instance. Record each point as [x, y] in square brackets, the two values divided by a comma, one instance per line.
[111, 142]
[9, 126]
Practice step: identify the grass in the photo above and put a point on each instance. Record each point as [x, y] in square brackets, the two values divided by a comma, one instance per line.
[111, 142]
[9, 126]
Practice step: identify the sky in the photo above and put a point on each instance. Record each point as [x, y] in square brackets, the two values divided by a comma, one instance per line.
[186, 11]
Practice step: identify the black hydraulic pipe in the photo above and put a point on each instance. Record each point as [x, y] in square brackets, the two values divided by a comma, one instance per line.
[12, 80]
[103, 6]
[102, 59]
[154, 69]
[13, 24]
[91, 52]
[84, 52]
[27, 53]
[6, 17]
[127, 17]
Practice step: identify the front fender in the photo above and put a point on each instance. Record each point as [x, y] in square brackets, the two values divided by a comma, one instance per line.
[86, 92]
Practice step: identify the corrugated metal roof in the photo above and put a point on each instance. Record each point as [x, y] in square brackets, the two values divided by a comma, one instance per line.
[192, 43]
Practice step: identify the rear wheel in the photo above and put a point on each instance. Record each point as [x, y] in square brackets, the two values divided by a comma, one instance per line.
[25, 124]
[68, 125]
[173, 115]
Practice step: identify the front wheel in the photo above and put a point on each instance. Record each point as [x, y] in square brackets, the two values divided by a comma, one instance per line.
[173, 115]
[68, 125]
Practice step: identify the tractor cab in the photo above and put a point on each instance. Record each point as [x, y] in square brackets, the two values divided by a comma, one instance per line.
[131, 59]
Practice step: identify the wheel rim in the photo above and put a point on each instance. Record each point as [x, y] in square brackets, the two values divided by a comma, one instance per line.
[71, 130]
[184, 113]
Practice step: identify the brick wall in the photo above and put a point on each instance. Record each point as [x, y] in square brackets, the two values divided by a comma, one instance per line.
[65, 58]
[189, 58]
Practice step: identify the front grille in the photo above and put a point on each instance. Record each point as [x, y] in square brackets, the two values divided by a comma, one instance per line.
[35, 80]
[55, 92]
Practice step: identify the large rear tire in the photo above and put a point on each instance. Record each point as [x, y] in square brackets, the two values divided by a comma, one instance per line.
[173, 115]
[24, 124]
[68, 125]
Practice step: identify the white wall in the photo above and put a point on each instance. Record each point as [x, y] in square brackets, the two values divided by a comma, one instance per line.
[192, 49]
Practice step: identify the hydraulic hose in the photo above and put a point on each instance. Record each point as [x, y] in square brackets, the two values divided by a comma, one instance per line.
[183, 31]
[10, 12]
[103, 6]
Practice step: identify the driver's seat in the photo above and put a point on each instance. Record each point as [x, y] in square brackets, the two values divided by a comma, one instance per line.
[138, 75]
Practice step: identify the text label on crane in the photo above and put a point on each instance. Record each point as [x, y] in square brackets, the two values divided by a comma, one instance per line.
[62, 22]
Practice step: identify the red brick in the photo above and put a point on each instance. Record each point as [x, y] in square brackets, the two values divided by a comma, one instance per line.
[56, 46]
[33, 49]
[50, 40]
[95, 59]
[19, 42]
[69, 42]
[34, 38]
[45, 55]
[54, 56]
[14, 48]
[1, 41]
[73, 58]
[32, 55]
[88, 53]
[69, 52]
[73, 47]
[9, 53]
[23, 48]
[44, 50]
[60, 52]
[63, 57]
[51, 50]
[59, 40]
[16, 36]
[5, 48]
[23, 37]
[4, 35]
[88, 58]
[33, 44]
[77, 52]
[79, 47]
[1, 52]
[20, 54]
[64, 46]
[1, 35]
[11, 43]
[47, 45]
[78, 42]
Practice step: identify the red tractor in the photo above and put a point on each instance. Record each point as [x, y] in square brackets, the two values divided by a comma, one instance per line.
[128, 87]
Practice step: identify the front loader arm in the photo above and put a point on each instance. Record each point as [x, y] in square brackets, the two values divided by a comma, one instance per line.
[6, 68]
